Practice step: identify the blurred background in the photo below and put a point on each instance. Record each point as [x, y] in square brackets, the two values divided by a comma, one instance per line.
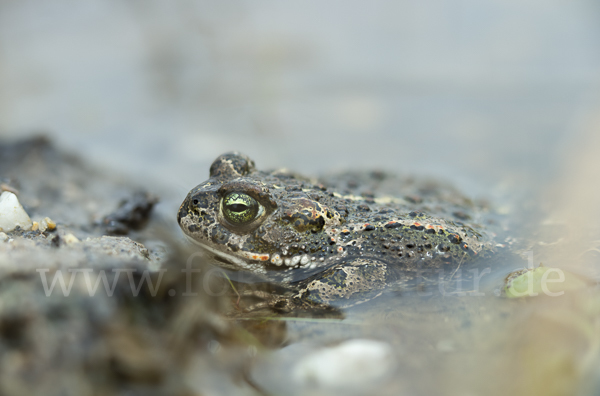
[484, 94]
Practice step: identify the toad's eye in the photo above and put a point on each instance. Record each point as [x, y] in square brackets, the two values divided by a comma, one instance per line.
[240, 208]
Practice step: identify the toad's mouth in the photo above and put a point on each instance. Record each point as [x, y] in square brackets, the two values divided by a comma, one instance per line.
[257, 262]
[252, 263]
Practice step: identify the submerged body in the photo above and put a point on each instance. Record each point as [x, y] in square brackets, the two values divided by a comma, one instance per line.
[337, 242]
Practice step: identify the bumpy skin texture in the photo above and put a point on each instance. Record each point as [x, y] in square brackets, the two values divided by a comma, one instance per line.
[325, 241]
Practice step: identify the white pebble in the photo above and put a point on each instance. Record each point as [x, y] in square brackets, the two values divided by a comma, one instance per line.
[3, 237]
[12, 213]
[351, 364]
[70, 239]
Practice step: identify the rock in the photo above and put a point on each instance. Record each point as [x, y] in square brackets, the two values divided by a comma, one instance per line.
[132, 214]
[3, 237]
[70, 239]
[46, 224]
[12, 213]
[353, 364]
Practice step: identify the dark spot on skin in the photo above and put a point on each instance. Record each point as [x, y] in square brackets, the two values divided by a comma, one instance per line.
[342, 209]
[192, 228]
[219, 235]
[364, 207]
[454, 238]
[410, 245]
[393, 225]
[369, 227]
[443, 248]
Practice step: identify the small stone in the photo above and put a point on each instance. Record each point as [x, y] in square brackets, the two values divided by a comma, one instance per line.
[12, 213]
[47, 224]
[70, 239]
[3, 237]
[350, 365]
[35, 226]
[51, 224]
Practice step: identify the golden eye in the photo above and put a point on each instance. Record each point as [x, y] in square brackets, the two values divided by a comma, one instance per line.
[240, 208]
